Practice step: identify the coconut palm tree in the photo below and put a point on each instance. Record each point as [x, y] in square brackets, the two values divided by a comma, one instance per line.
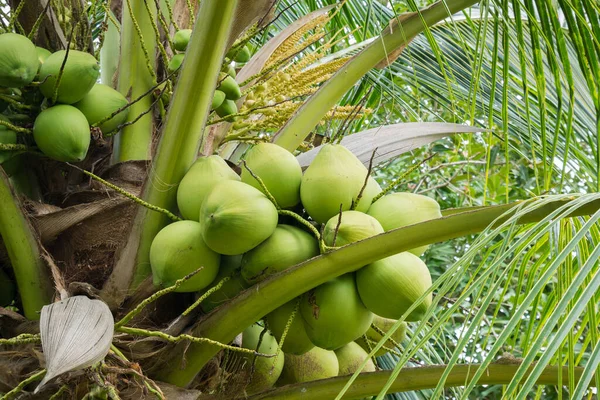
[492, 108]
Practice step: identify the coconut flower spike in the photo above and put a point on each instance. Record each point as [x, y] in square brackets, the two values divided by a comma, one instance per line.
[76, 333]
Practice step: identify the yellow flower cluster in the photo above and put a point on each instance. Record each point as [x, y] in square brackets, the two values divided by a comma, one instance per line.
[292, 73]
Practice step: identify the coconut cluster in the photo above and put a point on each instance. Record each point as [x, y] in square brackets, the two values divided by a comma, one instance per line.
[228, 90]
[249, 226]
[62, 92]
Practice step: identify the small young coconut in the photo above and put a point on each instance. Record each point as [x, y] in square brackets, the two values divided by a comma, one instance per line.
[287, 246]
[333, 179]
[334, 314]
[6, 137]
[230, 87]
[402, 209]
[230, 70]
[354, 226]
[278, 169]
[101, 102]
[198, 181]
[175, 62]
[230, 267]
[62, 132]
[218, 99]
[265, 371]
[79, 75]
[242, 56]
[383, 325]
[389, 287]
[181, 39]
[18, 60]
[296, 340]
[178, 250]
[228, 107]
[313, 365]
[350, 357]
[236, 217]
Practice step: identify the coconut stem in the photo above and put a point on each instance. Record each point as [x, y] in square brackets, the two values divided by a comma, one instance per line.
[205, 296]
[286, 330]
[186, 337]
[416, 378]
[128, 195]
[24, 338]
[61, 390]
[382, 333]
[365, 183]
[262, 185]
[19, 388]
[13, 147]
[397, 181]
[15, 128]
[15, 103]
[130, 315]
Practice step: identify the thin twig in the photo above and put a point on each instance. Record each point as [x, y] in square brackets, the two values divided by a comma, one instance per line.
[128, 195]
[130, 315]
[184, 337]
[19, 388]
[365, 183]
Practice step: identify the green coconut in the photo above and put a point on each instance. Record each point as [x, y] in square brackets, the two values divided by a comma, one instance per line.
[218, 99]
[296, 340]
[287, 246]
[62, 133]
[236, 218]
[402, 209]
[230, 87]
[42, 54]
[7, 136]
[181, 39]
[313, 365]
[79, 75]
[333, 179]
[389, 287]
[231, 71]
[383, 325]
[350, 358]
[334, 314]
[230, 267]
[7, 289]
[178, 250]
[198, 181]
[354, 226]
[227, 108]
[175, 62]
[265, 371]
[278, 169]
[18, 60]
[242, 56]
[101, 102]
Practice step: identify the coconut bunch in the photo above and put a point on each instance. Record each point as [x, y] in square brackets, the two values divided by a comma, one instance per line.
[249, 226]
[59, 93]
[227, 90]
